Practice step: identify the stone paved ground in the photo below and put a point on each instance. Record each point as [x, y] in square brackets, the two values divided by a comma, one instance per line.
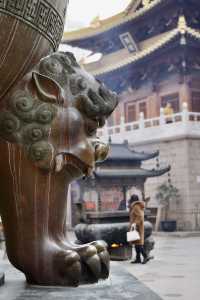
[175, 271]
[173, 274]
[120, 286]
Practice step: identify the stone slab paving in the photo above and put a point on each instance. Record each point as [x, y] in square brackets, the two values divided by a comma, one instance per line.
[175, 271]
[173, 274]
[120, 286]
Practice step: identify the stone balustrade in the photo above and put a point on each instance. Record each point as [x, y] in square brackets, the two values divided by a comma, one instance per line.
[177, 125]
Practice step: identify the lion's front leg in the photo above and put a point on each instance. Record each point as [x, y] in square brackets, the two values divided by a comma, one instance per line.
[34, 213]
[94, 258]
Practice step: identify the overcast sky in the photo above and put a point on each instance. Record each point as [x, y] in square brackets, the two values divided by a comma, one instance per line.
[81, 12]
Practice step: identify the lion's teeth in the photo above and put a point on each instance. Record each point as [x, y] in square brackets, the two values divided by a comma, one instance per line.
[59, 163]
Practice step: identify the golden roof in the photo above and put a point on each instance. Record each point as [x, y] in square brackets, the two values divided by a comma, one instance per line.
[109, 23]
[181, 29]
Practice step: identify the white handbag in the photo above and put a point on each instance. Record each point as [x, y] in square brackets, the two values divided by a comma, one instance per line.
[133, 235]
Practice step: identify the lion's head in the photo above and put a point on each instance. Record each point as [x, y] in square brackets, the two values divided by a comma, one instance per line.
[54, 113]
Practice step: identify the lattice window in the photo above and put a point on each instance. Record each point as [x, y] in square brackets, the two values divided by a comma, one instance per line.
[130, 112]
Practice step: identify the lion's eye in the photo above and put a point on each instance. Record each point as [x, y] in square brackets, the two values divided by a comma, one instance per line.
[52, 66]
[77, 84]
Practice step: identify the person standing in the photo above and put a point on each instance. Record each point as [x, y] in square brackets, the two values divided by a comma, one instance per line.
[168, 112]
[136, 215]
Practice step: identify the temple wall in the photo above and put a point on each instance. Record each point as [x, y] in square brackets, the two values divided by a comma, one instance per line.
[183, 156]
[152, 98]
[194, 179]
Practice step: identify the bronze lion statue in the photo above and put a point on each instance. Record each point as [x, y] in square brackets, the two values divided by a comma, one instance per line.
[48, 124]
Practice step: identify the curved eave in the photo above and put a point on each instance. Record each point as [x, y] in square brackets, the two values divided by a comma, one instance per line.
[134, 156]
[159, 172]
[132, 173]
[109, 23]
[146, 156]
[139, 56]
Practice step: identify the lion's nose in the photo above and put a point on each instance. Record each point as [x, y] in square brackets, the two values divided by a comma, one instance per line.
[101, 150]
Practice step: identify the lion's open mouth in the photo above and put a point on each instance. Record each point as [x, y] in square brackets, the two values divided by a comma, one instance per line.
[70, 161]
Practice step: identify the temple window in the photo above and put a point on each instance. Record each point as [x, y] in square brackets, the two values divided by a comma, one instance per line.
[128, 42]
[173, 99]
[195, 99]
[130, 112]
[143, 108]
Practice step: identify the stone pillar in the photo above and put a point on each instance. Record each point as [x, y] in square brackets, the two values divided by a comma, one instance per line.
[141, 120]
[122, 126]
[162, 116]
[185, 116]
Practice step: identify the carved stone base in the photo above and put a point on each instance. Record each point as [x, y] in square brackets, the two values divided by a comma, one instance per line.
[2, 279]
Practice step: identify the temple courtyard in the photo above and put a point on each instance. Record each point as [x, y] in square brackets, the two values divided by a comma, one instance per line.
[175, 271]
[173, 274]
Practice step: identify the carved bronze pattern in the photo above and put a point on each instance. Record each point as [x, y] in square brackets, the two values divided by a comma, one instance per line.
[38, 14]
[27, 122]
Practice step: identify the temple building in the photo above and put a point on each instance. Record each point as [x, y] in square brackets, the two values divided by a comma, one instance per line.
[117, 178]
[149, 54]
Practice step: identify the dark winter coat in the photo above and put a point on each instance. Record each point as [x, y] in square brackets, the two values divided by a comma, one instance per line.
[136, 216]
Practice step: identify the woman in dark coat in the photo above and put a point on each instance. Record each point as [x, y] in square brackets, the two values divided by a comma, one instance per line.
[136, 215]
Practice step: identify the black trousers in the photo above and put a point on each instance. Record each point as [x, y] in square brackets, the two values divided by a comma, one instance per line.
[139, 249]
